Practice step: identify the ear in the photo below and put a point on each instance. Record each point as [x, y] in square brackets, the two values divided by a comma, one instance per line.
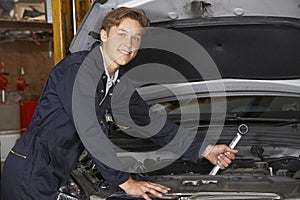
[103, 35]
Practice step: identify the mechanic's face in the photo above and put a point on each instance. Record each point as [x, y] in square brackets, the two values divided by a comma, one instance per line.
[121, 43]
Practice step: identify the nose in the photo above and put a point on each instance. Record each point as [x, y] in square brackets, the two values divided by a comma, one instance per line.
[128, 42]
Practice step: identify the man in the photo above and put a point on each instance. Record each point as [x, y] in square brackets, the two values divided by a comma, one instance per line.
[49, 149]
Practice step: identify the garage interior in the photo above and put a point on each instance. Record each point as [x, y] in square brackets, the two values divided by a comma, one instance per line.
[34, 36]
[243, 39]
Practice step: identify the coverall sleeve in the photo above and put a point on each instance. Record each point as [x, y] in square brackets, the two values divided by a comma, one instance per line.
[139, 111]
[113, 176]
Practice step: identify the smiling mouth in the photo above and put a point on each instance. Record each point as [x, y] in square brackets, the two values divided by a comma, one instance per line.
[124, 52]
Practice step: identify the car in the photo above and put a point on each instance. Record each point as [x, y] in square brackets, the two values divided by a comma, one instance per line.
[227, 70]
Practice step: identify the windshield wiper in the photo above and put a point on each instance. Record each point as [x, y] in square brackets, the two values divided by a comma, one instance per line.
[238, 118]
[275, 121]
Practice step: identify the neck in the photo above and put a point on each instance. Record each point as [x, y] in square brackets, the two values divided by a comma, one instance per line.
[112, 68]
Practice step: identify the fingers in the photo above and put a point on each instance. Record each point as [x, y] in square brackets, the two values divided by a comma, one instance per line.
[226, 156]
[221, 155]
[156, 190]
[224, 148]
[223, 161]
[229, 155]
[148, 190]
[230, 150]
[145, 196]
[143, 189]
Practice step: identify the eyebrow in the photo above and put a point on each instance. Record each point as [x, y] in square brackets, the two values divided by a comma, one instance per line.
[121, 29]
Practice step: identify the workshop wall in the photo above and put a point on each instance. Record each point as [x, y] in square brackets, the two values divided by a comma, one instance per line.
[36, 59]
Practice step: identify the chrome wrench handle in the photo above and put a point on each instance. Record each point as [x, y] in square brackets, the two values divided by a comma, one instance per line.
[242, 130]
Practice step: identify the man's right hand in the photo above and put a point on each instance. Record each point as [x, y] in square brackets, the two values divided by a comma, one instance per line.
[143, 188]
[219, 154]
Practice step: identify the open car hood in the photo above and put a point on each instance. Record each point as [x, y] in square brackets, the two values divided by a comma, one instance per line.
[245, 39]
[173, 10]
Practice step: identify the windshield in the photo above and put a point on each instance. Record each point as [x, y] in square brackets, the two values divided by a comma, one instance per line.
[242, 106]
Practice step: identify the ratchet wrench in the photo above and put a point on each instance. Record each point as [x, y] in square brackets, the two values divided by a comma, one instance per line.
[242, 130]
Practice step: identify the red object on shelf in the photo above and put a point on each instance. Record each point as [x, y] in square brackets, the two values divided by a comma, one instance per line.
[3, 80]
[20, 84]
[27, 109]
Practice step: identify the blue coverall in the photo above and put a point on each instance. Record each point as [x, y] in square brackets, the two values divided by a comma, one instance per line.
[44, 156]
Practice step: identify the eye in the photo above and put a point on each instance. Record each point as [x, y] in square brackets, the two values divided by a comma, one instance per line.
[136, 38]
[122, 35]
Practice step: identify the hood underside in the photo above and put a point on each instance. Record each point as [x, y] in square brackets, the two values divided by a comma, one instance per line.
[259, 43]
[247, 47]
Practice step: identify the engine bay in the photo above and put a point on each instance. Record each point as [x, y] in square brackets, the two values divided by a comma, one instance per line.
[244, 179]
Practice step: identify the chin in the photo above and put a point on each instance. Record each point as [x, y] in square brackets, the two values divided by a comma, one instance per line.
[121, 63]
[124, 61]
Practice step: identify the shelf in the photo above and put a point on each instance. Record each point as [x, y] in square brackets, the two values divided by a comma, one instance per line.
[10, 24]
[12, 30]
